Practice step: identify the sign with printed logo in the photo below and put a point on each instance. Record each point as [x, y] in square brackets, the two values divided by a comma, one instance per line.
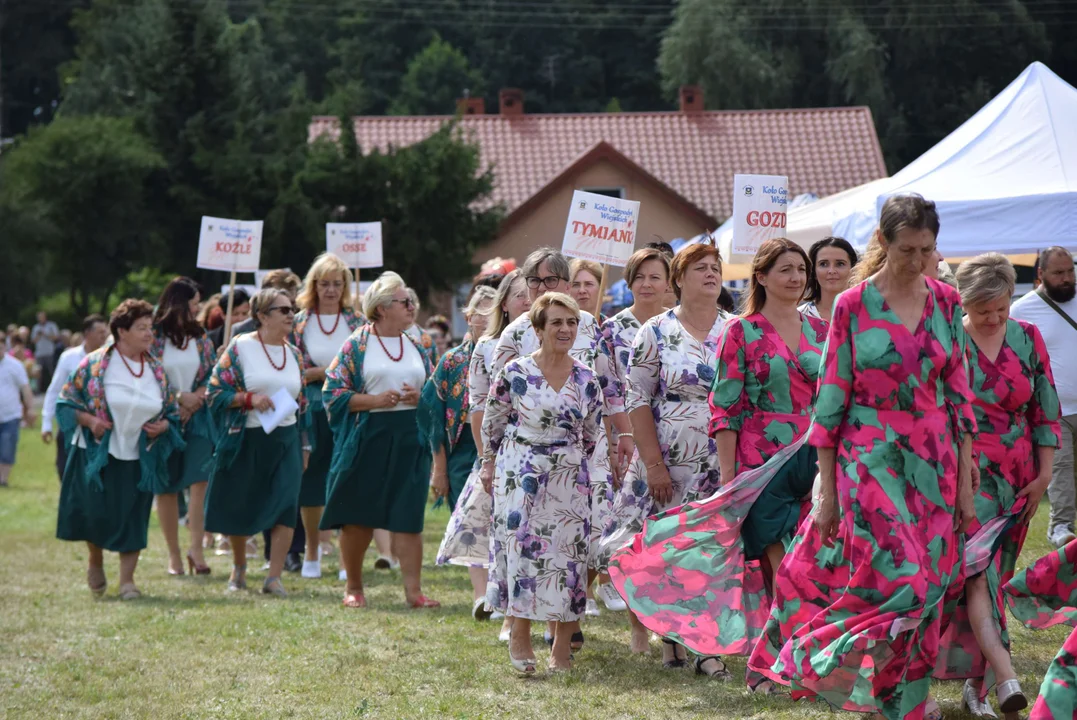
[601, 228]
[229, 245]
[357, 244]
[759, 212]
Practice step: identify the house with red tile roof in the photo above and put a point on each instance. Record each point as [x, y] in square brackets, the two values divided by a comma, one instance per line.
[679, 165]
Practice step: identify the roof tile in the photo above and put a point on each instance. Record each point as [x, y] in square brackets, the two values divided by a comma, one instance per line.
[822, 151]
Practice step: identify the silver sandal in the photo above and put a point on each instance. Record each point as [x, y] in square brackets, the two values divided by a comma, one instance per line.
[1010, 697]
[970, 700]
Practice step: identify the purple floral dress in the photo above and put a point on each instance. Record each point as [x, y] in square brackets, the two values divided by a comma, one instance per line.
[467, 536]
[518, 340]
[543, 439]
[670, 372]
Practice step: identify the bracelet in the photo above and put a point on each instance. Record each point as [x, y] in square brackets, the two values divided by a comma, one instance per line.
[623, 434]
[307, 448]
[660, 462]
[247, 402]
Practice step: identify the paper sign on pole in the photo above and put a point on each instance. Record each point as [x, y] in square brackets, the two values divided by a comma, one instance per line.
[601, 228]
[357, 244]
[759, 212]
[229, 245]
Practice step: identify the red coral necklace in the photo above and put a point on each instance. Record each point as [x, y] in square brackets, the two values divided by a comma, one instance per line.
[141, 367]
[284, 361]
[322, 327]
[389, 354]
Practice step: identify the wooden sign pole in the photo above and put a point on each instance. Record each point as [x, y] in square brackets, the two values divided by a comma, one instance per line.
[228, 315]
[601, 292]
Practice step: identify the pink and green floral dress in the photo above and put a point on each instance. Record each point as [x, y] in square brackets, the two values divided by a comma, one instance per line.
[858, 624]
[1042, 596]
[543, 439]
[686, 575]
[1017, 411]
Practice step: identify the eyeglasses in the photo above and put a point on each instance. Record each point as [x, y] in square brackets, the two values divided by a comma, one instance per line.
[409, 303]
[283, 309]
[550, 281]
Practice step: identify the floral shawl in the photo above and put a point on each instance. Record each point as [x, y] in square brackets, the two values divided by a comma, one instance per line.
[344, 378]
[85, 392]
[200, 424]
[443, 408]
[425, 342]
[231, 423]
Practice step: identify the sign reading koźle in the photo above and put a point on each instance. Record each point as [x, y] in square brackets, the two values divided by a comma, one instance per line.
[601, 228]
[357, 244]
[759, 212]
[229, 245]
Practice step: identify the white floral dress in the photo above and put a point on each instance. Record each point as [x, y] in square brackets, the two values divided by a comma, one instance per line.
[520, 339]
[543, 439]
[467, 536]
[669, 371]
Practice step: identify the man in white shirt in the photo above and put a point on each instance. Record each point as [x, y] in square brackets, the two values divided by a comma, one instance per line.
[16, 407]
[1053, 310]
[94, 334]
[43, 337]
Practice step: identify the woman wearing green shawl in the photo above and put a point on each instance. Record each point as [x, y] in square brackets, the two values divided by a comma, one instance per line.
[185, 351]
[380, 474]
[123, 418]
[322, 326]
[257, 467]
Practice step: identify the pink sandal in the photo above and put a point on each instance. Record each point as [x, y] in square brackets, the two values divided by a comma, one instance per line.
[422, 602]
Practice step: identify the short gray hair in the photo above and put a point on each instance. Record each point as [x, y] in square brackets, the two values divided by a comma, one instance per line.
[380, 293]
[263, 300]
[985, 278]
[555, 263]
[482, 292]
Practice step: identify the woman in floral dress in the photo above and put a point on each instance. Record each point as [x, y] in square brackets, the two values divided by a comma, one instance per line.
[669, 375]
[1018, 430]
[1045, 595]
[542, 422]
[467, 536]
[857, 611]
[647, 275]
[761, 403]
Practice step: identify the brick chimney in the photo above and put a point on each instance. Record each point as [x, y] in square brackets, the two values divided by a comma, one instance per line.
[691, 98]
[512, 101]
[471, 106]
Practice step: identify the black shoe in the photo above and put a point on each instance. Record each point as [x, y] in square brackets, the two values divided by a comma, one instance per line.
[293, 562]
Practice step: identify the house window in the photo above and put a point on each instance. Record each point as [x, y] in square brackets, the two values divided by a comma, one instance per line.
[614, 192]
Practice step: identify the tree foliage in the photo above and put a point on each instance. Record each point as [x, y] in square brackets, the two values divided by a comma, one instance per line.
[435, 78]
[84, 179]
[923, 69]
[431, 197]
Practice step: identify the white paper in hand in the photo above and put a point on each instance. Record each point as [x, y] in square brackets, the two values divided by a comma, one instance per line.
[283, 406]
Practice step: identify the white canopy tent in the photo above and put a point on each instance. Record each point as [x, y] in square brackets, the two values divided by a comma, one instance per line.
[1004, 181]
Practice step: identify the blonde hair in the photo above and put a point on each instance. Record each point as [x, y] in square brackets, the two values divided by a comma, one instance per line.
[499, 318]
[482, 292]
[380, 293]
[414, 297]
[985, 278]
[540, 307]
[581, 264]
[871, 261]
[324, 264]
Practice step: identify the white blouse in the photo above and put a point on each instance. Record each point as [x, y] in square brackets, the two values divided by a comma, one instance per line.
[181, 366]
[381, 373]
[133, 401]
[261, 377]
[321, 347]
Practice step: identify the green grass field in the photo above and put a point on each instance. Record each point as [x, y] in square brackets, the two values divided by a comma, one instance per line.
[189, 650]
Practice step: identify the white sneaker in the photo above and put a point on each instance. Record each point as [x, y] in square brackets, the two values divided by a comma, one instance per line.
[312, 569]
[342, 576]
[497, 615]
[592, 608]
[505, 635]
[1060, 536]
[610, 598]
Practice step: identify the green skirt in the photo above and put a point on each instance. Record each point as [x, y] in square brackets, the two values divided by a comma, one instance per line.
[261, 488]
[387, 484]
[186, 468]
[776, 512]
[312, 492]
[460, 463]
[114, 519]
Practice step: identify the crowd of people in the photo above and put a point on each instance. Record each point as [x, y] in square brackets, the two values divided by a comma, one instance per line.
[834, 483]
